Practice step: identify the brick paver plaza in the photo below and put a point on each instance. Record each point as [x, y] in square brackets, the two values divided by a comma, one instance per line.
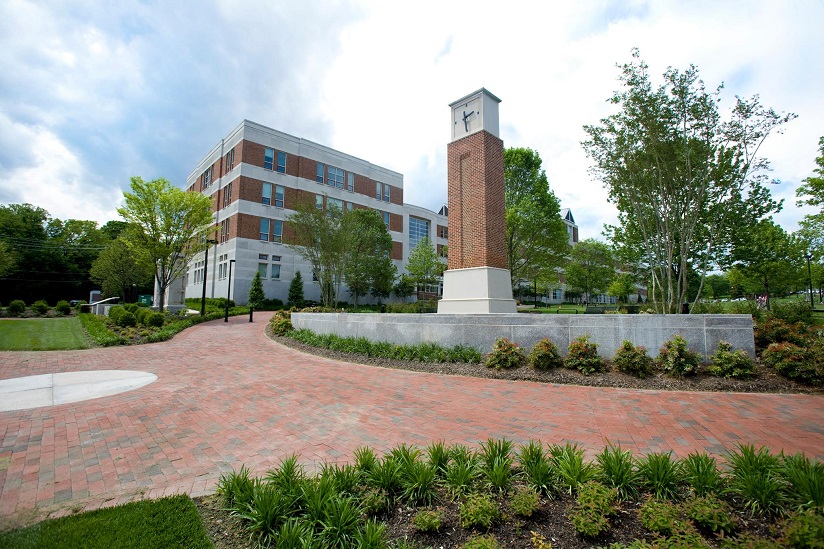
[226, 395]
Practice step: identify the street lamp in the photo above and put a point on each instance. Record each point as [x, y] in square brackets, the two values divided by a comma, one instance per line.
[809, 256]
[229, 291]
[205, 267]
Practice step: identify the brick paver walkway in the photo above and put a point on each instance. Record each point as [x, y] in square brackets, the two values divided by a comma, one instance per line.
[226, 395]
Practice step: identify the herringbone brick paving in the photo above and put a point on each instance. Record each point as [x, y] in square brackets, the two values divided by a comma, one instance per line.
[226, 395]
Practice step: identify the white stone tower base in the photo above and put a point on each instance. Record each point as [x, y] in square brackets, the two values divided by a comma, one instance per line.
[476, 290]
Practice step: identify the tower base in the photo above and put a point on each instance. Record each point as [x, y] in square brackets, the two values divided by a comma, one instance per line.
[477, 290]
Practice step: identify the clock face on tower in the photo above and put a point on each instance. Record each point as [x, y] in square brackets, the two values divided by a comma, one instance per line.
[466, 118]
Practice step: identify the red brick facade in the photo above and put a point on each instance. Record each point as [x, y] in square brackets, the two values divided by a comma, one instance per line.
[476, 202]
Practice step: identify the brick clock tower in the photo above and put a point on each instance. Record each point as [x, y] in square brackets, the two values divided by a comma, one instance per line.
[477, 280]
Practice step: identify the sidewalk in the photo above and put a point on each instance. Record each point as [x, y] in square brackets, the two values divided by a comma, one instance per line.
[226, 395]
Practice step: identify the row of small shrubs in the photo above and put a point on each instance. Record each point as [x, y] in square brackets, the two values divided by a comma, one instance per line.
[131, 314]
[674, 358]
[17, 307]
[795, 350]
[692, 498]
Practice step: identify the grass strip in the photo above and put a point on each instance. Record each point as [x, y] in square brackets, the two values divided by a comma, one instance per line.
[46, 334]
[167, 522]
[95, 326]
[424, 352]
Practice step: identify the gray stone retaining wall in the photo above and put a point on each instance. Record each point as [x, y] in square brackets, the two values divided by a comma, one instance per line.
[480, 331]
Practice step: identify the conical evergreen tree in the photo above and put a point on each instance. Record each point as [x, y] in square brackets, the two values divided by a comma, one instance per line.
[256, 295]
[296, 291]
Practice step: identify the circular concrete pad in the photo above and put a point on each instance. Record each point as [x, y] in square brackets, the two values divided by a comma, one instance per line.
[22, 393]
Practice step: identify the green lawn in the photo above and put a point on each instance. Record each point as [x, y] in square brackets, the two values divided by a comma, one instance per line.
[167, 522]
[42, 334]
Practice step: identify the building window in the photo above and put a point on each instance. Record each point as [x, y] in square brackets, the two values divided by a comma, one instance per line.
[382, 191]
[319, 201]
[334, 202]
[281, 162]
[418, 230]
[443, 232]
[275, 271]
[264, 229]
[335, 177]
[266, 197]
[230, 160]
[556, 294]
[224, 230]
[264, 257]
[320, 173]
[277, 230]
[206, 179]
[262, 267]
[227, 195]
[350, 206]
[350, 182]
[269, 158]
[279, 192]
[386, 217]
[222, 266]
[276, 258]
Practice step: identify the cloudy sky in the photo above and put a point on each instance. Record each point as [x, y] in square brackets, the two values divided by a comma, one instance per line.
[93, 92]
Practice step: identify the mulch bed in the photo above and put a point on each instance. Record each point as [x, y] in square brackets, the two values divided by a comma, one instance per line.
[766, 380]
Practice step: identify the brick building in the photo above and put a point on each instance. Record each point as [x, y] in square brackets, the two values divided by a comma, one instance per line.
[256, 175]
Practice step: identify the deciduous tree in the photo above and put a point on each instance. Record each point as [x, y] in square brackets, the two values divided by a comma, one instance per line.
[683, 178]
[120, 266]
[423, 266]
[167, 224]
[536, 237]
[591, 268]
[367, 251]
[811, 193]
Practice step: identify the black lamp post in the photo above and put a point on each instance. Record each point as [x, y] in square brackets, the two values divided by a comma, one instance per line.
[808, 257]
[205, 268]
[229, 291]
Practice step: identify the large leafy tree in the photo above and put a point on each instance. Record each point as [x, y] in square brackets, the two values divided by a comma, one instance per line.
[684, 178]
[319, 237]
[367, 252]
[536, 237]
[424, 266]
[120, 267]
[591, 268]
[167, 224]
[769, 259]
[811, 193]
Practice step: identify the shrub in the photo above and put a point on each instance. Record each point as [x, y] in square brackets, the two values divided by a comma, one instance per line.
[63, 307]
[40, 307]
[155, 319]
[126, 319]
[236, 488]
[482, 542]
[544, 355]
[281, 326]
[427, 520]
[478, 510]
[115, 312]
[16, 307]
[131, 307]
[792, 312]
[633, 360]
[583, 356]
[374, 501]
[711, 515]
[141, 315]
[525, 501]
[594, 504]
[793, 362]
[505, 354]
[805, 530]
[775, 330]
[418, 483]
[675, 359]
[663, 517]
[748, 307]
[459, 477]
[728, 363]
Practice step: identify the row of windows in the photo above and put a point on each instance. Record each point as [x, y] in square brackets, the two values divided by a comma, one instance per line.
[335, 177]
[227, 195]
[269, 160]
[273, 225]
[382, 191]
[206, 178]
[264, 270]
[418, 230]
[224, 230]
[222, 266]
[333, 203]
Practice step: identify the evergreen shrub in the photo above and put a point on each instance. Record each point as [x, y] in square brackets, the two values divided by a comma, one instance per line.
[40, 307]
[544, 355]
[676, 360]
[633, 360]
[505, 354]
[16, 307]
[582, 355]
[63, 307]
[728, 363]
